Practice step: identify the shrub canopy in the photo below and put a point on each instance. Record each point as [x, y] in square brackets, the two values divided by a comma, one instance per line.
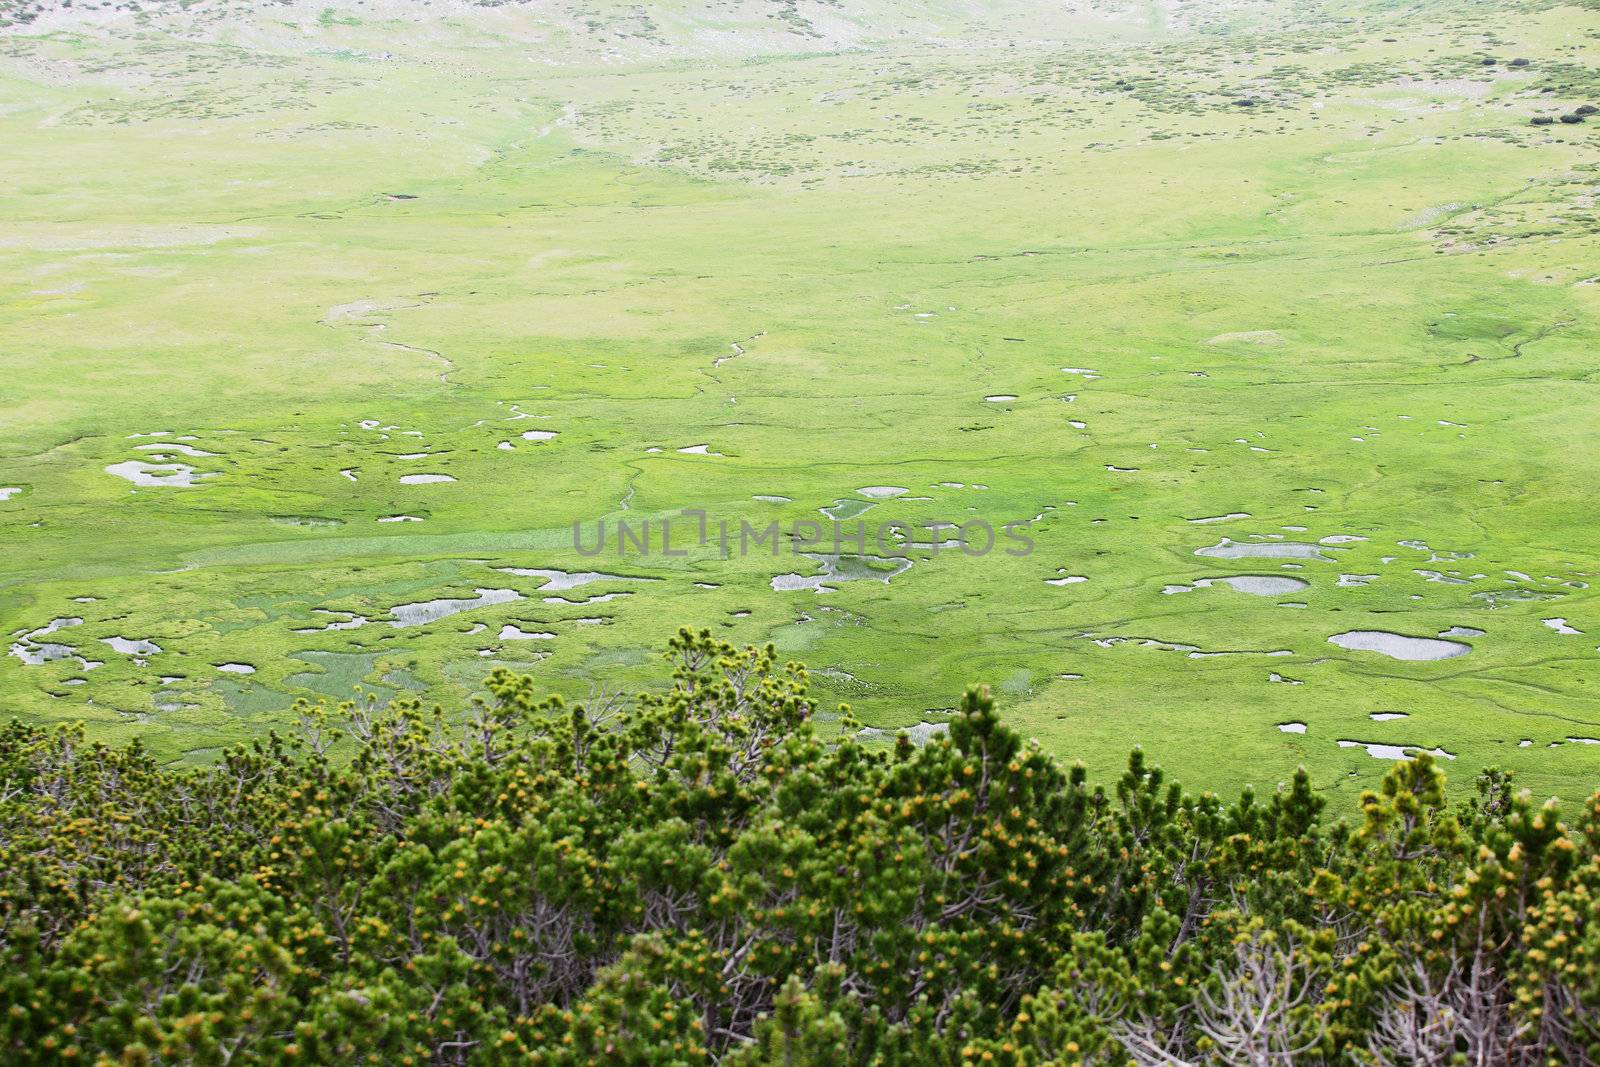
[705, 875]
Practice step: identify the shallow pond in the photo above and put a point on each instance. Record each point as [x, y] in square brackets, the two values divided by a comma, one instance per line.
[1399, 646]
[1395, 752]
[426, 611]
[842, 568]
[1461, 631]
[342, 620]
[512, 632]
[1254, 584]
[161, 475]
[175, 447]
[1264, 585]
[34, 653]
[558, 581]
[131, 646]
[1228, 548]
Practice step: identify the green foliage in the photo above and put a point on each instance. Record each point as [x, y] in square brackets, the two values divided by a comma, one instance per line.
[700, 875]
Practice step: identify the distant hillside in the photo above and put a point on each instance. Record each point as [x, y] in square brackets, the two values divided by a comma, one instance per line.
[599, 32]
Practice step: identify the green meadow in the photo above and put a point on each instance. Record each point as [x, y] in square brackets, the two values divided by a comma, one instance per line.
[1204, 291]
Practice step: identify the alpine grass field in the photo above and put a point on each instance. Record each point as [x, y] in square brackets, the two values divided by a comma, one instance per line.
[315, 313]
[384, 385]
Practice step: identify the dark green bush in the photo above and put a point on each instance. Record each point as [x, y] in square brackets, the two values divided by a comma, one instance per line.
[705, 875]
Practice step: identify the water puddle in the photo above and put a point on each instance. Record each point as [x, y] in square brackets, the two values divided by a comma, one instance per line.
[598, 598]
[1440, 577]
[1560, 626]
[1435, 555]
[1265, 585]
[236, 668]
[1228, 548]
[883, 492]
[131, 646]
[1387, 716]
[175, 448]
[700, 450]
[1495, 598]
[512, 632]
[34, 653]
[1254, 584]
[157, 475]
[842, 568]
[540, 435]
[1399, 646]
[424, 479]
[1395, 752]
[1232, 515]
[1292, 727]
[427, 611]
[399, 518]
[559, 581]
[1461, 631]
[771, 499]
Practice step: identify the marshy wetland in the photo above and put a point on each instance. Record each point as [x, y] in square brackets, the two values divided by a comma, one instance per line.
[1275, 325]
